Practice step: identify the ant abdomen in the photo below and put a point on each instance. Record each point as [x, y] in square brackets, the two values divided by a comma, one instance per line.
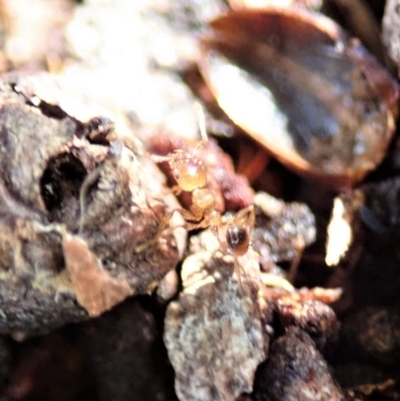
[238, 240]
[189, 172]
[238, 231]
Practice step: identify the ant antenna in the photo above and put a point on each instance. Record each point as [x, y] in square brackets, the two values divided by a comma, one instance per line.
[201, 117]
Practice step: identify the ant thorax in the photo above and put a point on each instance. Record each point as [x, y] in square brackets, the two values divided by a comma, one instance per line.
[204, 200]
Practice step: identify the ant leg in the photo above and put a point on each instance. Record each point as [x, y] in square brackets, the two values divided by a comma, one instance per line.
[273, 280]
[176, 190]
[246, 215]
[295, 264]
[163, 224]
[196, 226]
[160, 159]
[164, 230]
[238, 269]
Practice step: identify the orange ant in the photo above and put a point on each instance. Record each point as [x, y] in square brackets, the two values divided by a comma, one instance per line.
[191, 174]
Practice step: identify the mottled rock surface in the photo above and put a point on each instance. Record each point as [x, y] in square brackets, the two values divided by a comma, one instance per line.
[75, 204]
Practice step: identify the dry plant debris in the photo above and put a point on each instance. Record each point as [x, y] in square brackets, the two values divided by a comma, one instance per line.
[271, 72]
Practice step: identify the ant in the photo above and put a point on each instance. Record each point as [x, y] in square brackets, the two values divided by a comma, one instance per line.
[191, 175]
